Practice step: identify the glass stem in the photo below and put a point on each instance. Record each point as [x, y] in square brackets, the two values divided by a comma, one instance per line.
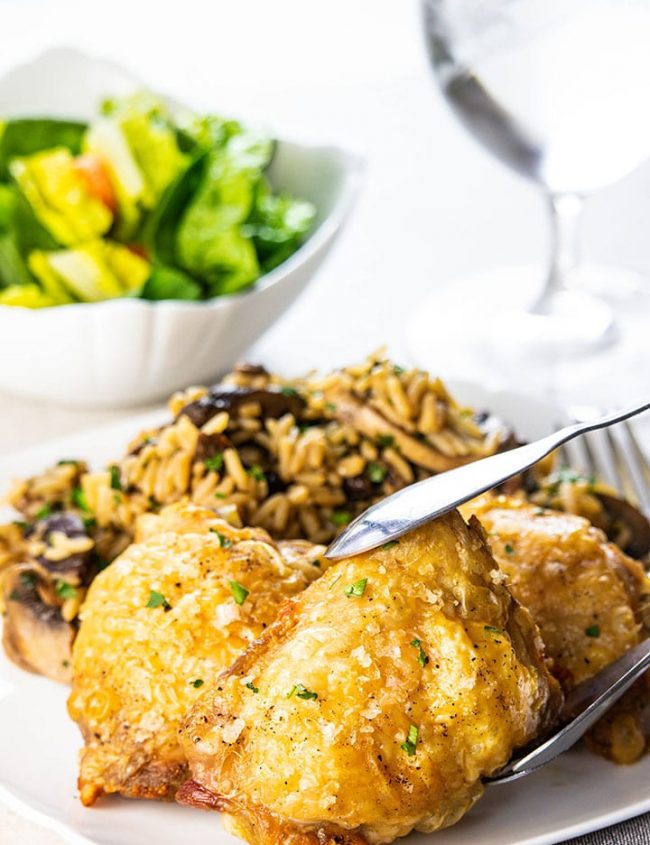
[565, 210]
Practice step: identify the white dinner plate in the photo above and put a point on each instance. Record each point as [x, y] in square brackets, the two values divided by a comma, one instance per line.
[39, 743]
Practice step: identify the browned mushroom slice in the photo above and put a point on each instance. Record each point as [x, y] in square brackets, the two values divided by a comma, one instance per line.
[274, 401]
[370, 422]
[35, 636]
[628, 527]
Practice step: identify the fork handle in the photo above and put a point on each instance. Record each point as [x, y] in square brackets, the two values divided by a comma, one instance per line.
[420, 503]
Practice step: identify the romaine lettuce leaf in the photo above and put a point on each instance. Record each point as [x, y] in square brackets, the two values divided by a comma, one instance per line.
[24, 136]
[58, 196]
[171, 283]
[27, 296]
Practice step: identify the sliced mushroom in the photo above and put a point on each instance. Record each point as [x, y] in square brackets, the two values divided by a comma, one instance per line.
[35, 636]
[370, 422]
[629, 528]
[274, 401]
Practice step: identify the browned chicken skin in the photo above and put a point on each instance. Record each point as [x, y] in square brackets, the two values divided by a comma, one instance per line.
[588, 598]
[376, 702]
[169, 614]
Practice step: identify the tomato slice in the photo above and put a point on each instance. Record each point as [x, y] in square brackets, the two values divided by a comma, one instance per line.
[95, 175]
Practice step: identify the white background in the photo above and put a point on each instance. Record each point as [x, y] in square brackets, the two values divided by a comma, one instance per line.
[434, 205]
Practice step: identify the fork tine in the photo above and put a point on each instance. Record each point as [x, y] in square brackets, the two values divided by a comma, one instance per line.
[625, 482]
[639, 454]
[592, 465]
[638, 466]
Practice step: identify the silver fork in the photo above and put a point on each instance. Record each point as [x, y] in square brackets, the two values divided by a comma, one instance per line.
[614, 456]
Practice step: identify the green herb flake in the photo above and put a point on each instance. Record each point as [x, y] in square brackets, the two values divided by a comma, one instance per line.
[197, 683]
[357, 589]
[65, 590]
[376, 472]
[341, 517]
[215, 463]
[593, 631]
[219, 495]
[288, 391]
[398, 370]
[331, 407]
[157, 599]
[422, 657]
[508, 549]
[67, 462]
[385, 441]
[301, 691]
[44, 512]
[390, 544]
[316, 563]
[492, 629]
[19, 523]
[116, 481]
[224, 542]
[410, 745]
[251, 686]
[78, 498]
[239, 592]
[28, 579]
[65, 664]
[256, 472]
[89, 523]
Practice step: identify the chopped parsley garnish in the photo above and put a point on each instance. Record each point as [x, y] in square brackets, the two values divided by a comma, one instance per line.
[341, 517]
[65, 461]
[65, 590]
[19, 523]
[100, 562]
[288, 391]
[593, 631]
[398, 370]
[492, 629]
[508, 549]
[219, 495]
[315, 563]
[566, 475]
[215, 462]
[65, 664]
[79, 499]
[390, 544]
[251, 686]
[157, 599]
[197, 683]
[224, 542]
[331, 407]
[44, 512]
[301, 691]
[239, 592]
[385, 441]
[256, 472]
[422, 657]
[357, 589]
[411, 741]
[89, 523]
[376, 472]
[116, 481]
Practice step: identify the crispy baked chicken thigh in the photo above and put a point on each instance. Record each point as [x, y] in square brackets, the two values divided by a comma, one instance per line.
[377, 700]
[588, 598]
[173, 611]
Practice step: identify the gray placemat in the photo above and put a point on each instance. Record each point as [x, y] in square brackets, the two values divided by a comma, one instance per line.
[633, 832]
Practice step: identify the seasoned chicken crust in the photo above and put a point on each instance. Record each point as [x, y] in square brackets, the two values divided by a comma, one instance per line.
[160, 621]
[588, 598]
[377, 700]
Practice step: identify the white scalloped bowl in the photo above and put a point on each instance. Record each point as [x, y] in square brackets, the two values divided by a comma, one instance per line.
[129, 351]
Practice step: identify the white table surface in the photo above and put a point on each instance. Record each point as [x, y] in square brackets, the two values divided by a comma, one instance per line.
[434, 205]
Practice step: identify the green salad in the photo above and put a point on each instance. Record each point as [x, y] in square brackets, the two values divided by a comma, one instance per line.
[139, 204]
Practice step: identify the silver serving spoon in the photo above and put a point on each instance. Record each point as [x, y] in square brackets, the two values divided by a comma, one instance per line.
[420, 503]
[590, 700]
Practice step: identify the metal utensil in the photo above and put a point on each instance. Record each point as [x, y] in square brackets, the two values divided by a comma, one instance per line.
[583, 707]
[420, 503]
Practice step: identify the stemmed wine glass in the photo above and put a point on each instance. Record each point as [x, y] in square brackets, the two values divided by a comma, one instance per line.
[557, 90]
